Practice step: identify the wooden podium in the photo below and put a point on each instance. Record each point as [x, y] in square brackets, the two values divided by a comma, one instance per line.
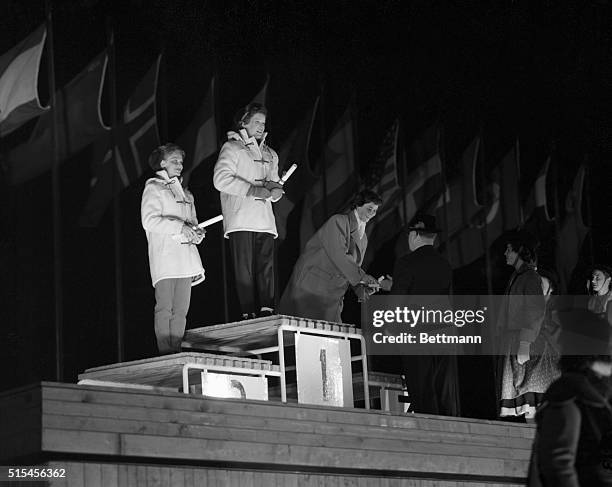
[321, 347]
[176, 372]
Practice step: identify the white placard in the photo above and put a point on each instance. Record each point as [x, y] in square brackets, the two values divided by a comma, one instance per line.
[235, 386]
[323, 368]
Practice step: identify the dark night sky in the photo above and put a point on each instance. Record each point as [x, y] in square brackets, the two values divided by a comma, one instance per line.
[540, 70]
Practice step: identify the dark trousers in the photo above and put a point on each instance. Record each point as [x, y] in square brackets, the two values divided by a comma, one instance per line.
[253, 260]
[433, 383]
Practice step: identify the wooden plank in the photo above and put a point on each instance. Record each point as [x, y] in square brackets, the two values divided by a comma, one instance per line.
[154, 476]
[286, 411]
[80, 442]
[362, 442]
[177, 477]
[93, 475]
[122, 476]
[222, 420]
[75, 476]
[214, 450]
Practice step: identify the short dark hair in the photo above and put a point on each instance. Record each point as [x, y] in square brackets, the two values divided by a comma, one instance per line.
[161, 152]
[244, 115]
[366, 196]
[525, 245]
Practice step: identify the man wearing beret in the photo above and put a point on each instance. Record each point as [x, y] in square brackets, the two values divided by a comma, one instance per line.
[431, 379]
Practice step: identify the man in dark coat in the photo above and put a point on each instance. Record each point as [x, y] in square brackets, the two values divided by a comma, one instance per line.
[431, 379]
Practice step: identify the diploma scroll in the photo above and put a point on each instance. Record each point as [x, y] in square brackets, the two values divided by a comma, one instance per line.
[200, 226]
[282, 180]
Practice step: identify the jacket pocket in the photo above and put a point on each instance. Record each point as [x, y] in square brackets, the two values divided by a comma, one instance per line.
[318, 281]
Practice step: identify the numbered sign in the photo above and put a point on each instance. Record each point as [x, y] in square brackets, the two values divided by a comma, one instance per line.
[238, 386]
[323, 367]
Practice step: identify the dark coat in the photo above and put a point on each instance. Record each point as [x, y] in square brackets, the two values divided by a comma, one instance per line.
[422, 272]
[573, 445]
[523, 307]
[329, 263]
[431, 379]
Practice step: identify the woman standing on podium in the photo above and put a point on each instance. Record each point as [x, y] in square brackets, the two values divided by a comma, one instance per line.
[169, 218]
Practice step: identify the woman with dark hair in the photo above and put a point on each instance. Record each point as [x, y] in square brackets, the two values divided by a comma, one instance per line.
[520, 321]
[531, 379]
[330, 261]
[573, 444]
[600, 288]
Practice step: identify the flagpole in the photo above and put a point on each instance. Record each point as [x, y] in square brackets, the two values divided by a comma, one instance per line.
[485, 233]
[323, 145]
[117, 232]
[163, 98]
[587, 190]
[215, 97]
[354, 139]
[518, 172]
[442, 154]
[562, 282]
[56, 204]
[402, 176]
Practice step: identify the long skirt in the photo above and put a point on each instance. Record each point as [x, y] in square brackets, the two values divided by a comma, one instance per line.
[524, 385]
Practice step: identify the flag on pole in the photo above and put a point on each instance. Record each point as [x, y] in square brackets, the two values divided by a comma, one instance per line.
[135, 137]
[504, 210]
[340, 179]
[19, 82]
[537, 217]
[79, 123]
[199, 140]
[295, 151]
[388, 221]
[572, 232]
[463, 216]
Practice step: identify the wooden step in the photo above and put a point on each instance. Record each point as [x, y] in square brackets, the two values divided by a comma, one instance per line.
[166, 371]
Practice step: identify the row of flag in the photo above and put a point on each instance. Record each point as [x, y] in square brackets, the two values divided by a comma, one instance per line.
[470, 226]
[408, 180]
[119, 153]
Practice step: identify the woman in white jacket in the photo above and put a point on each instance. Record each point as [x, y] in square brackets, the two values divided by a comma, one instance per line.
[246, 175]
[169, 218]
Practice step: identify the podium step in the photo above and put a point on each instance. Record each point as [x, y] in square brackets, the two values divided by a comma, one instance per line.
[166, 371]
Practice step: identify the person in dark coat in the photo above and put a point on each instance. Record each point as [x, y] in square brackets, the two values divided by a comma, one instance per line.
[432, 380]
[520, 321]
[573, 444]
[330, 262]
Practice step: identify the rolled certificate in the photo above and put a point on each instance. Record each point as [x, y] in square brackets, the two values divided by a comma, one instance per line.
[288, 174]
[210, 221]
[206, 223]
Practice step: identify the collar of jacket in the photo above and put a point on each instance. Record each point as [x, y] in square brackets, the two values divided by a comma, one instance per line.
[243, 136]
[525, 267]
[353, 223]
[163, 175]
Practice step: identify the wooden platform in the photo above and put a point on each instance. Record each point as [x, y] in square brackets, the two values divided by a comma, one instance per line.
[166, 371]
[108, 436]
[258, 333]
